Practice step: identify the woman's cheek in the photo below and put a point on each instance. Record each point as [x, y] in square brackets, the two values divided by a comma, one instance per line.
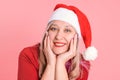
[69, 40]
[50, 36]
[51, 39]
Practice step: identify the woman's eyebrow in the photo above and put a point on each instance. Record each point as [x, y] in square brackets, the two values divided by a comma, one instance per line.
[69, 26]
[53, 24]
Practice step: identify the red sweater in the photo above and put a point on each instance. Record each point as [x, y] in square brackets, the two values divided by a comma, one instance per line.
[28, 66]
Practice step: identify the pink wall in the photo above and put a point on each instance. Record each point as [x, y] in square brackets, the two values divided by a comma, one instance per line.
[22, 23]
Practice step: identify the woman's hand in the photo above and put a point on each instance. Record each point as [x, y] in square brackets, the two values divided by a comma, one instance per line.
[50, 56]
[49, 72]
[71, 53]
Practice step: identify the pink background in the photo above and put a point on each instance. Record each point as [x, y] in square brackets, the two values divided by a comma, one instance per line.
[23, 21]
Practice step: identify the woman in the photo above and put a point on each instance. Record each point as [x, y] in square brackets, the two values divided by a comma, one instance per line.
[58, 56]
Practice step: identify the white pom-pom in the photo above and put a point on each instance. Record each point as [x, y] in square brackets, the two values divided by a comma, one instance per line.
[90, 53]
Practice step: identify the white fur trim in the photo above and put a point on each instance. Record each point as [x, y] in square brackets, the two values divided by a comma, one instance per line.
[90, 53]
[67, 16]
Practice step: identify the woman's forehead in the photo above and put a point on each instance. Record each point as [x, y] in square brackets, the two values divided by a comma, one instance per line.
[60, 24]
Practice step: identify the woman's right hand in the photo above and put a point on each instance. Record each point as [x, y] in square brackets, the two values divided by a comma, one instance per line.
[50, 56]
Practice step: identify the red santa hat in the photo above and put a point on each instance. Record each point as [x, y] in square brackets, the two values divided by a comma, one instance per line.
[79, 21]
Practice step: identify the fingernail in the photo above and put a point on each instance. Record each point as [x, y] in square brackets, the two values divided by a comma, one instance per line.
[72, 39]
[46, 33]
[75, 35]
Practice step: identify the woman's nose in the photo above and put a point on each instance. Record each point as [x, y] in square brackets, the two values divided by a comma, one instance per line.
[59, 35]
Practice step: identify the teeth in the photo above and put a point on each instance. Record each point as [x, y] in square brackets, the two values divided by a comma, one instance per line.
[59, 44]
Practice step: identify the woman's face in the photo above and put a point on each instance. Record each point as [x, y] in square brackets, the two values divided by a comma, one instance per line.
[60, 34]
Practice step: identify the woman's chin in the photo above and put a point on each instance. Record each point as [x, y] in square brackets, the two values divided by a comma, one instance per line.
[58, 52]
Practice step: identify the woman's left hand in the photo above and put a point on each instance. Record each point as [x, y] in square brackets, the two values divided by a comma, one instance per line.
[71, 53]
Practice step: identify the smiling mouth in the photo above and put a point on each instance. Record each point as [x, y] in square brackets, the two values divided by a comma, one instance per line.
[59, 44]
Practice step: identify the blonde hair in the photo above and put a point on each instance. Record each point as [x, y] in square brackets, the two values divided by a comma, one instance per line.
[74, 70]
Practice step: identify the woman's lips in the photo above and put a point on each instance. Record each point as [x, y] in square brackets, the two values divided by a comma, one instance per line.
[59, 44]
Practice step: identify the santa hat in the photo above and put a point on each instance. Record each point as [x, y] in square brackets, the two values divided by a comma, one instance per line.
[79, 21]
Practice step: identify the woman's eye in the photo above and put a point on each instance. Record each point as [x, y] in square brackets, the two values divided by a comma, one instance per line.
[53, 28]
[67, 30]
